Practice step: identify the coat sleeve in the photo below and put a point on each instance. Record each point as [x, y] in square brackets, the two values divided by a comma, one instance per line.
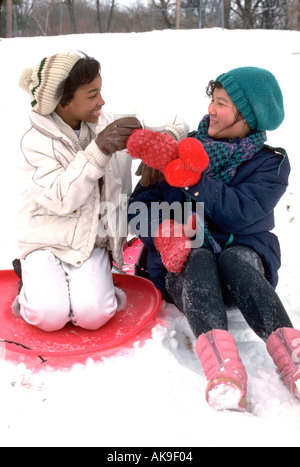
[245, 206]
[177, 128]
[55, 183]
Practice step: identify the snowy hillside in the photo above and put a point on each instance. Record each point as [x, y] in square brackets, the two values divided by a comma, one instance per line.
[153, 394]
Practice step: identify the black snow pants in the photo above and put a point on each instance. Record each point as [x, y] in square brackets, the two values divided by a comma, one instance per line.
[209, 283]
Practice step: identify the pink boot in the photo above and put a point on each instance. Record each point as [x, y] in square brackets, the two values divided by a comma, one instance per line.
[224, 370]
[284, 347]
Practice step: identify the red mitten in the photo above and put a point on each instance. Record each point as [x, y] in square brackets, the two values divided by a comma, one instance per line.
[155, 149]
[193, 154]
[173, 245]
[190, 228]
[178, 175]
[188, 169]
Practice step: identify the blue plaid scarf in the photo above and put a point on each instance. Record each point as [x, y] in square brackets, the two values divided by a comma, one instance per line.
[225, 158]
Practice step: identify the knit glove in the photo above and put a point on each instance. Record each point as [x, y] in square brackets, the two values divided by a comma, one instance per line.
[173, 243]
[181, 163]
[148, 175]
[114, 137]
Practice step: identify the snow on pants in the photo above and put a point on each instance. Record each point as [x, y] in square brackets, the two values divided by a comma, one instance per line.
[236, 277]
[55, 292]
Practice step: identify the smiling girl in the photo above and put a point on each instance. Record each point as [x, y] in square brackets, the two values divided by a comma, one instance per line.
[240, 257]
[225, 120]
[70, 167]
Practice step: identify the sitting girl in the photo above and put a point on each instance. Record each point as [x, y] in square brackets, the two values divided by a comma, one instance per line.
[239, 260]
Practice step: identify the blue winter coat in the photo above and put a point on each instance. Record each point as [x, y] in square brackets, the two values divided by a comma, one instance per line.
[239, 213]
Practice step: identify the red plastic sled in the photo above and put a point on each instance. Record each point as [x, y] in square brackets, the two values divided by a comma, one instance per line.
[143, 304]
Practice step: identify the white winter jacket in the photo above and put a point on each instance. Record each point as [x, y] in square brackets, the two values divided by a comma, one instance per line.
[74, 197]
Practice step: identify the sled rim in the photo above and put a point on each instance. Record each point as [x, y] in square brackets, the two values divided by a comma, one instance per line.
[128, 283]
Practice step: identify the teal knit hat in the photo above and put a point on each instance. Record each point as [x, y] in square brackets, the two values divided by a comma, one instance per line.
[256, 94]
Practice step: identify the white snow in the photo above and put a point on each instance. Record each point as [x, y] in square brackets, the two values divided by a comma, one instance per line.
[298, 388]
[153, 394]
[225, 397]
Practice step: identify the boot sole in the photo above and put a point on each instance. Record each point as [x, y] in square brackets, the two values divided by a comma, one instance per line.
[226, 394]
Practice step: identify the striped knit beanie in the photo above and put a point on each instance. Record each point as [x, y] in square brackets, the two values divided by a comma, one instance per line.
[256, 94]
[43, 81]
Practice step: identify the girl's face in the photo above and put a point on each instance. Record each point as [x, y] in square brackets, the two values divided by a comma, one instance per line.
[86, 105]
[223, 123]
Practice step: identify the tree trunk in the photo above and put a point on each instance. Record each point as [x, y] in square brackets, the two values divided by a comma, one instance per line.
[71, 8]
[98, 15]
[9, 17]
[227, 7]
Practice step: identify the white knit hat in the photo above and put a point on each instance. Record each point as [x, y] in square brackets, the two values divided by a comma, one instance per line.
[43, 81]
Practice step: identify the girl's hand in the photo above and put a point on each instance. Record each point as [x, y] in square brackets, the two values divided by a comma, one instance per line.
[114, 137]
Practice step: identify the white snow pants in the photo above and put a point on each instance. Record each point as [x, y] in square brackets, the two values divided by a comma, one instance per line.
[55, 293]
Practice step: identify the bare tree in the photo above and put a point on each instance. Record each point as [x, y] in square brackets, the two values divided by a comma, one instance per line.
[274, 14]
[107, 12]
[263, 14]
[54, 17]
[38, 17]
[227, 10]
[109, 15]
[294, 14]
[9, 16]
[41, 17]
[1, 3]
[245, 10]
[166, 10]
[136, 17]
[194, 13]
[213, 13]
[98, 15]
[71, 8]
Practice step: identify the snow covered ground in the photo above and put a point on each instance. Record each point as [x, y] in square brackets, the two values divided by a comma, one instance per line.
[153, 394]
